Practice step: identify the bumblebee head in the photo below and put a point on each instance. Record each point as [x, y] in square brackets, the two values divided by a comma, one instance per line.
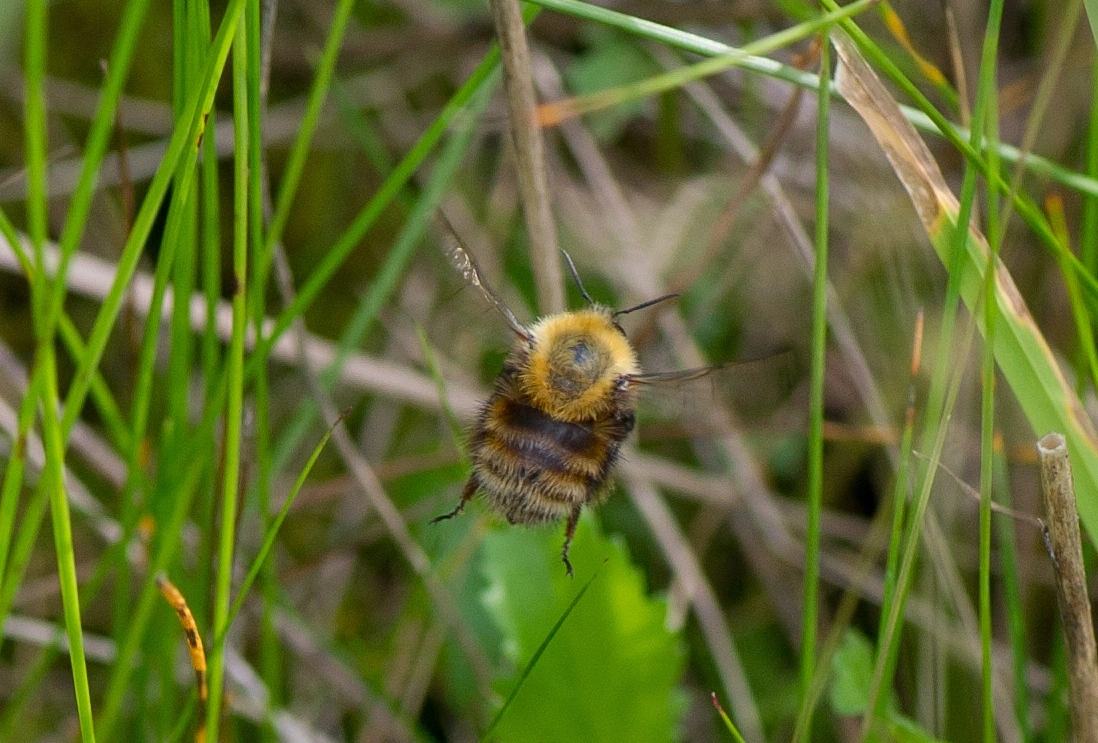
[575, 362]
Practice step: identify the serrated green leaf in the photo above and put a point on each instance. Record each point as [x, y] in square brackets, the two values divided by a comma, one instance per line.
[611, 672]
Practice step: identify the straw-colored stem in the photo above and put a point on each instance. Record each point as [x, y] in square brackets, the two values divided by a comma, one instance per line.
[1071, 585]
[529, 154]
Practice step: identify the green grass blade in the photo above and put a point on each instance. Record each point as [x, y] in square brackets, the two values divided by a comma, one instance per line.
[814, 495]
[34, 113]
[76, 217]
[900, 490]
[272, 530]
[728, 724]
[295, 163]
[538, 653]
[7, 230]
[988, 104]
[193, 459]
[54, 476]
[182, 139]
[235, 406]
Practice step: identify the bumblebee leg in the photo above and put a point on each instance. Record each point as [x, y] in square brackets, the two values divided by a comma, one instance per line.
[466, 494]
[569, 532]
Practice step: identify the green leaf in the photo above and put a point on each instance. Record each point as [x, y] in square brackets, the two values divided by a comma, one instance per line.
[851, 674]
[851, 679]
[611, 673]
[612, 61]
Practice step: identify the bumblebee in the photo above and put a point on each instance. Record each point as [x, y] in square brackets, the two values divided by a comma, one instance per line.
[546, 441]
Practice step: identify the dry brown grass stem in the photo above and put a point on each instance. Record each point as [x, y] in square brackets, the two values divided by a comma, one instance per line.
[529, 155]
[1071, 585]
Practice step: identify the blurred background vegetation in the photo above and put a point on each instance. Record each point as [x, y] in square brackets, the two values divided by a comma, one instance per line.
[368, 624]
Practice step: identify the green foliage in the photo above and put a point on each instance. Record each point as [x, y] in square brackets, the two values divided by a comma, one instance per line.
[612, 671]
[851, 674]
[610, 61]
[851, 680]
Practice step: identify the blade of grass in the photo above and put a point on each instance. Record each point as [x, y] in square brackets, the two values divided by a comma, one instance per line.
[728, 725]
[935, 416]
[1019, 202]
[235, 361]
[814, 495]
[272, 531]
[13, 477]
[7, 230]
[34, 114]
[101, 394]
[1020, 350]
[182, 139]
[270, 647]
[34, 512]
[295, 162]
[929, 70]
[95, 147]
[63, 544]
[52, 479]
[988, 104]
[1083, 326]
[900, 492]
[538, 653]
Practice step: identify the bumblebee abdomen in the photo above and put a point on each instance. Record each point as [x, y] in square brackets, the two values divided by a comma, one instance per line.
[533, 468]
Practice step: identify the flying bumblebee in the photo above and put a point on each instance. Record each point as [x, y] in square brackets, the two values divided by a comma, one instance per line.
[545, 443]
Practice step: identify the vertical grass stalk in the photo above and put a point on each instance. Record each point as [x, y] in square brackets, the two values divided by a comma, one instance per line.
[988, 104]
[54, 477]
[816, 394]
[235, 403]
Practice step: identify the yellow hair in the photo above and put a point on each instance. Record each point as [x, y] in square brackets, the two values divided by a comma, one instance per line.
[574, 361]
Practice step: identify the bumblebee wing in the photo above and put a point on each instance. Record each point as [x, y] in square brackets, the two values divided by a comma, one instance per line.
[686, 397]
[767, 364]
[675, 377]
[462, 260]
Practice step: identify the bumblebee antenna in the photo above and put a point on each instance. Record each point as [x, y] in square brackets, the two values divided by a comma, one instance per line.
[575, 276]
[649, 303]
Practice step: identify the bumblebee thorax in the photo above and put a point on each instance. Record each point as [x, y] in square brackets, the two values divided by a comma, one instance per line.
[575, 363]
